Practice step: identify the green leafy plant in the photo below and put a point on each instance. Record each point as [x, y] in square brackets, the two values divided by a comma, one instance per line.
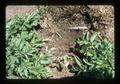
[97, 60]
[23, 46]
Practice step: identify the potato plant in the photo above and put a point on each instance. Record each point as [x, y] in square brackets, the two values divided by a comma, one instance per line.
[97, 60]
[24, 59]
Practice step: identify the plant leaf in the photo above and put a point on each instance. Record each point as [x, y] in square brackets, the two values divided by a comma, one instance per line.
[79, 62]
[87, 62]
[87, 36]
[44, 62]
[26, 72]
[93, 37]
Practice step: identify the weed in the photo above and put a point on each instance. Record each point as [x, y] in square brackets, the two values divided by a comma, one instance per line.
[23, 45]
[98, 57]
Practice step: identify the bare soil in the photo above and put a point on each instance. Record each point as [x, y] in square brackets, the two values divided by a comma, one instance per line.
[13, 10]
[56, 23]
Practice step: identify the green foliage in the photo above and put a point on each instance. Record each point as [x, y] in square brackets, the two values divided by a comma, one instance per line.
[23, 45]
[98, 60]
